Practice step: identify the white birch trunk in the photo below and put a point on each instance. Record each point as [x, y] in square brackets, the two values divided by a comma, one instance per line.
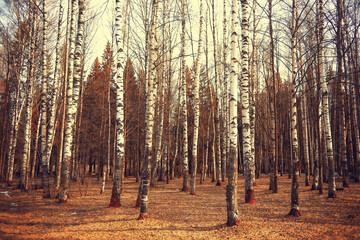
[185, 156]
[27, 121]
[55, 93]
[245, 94]
[149, 113]
[44, 162]
[253, 83]
[28, 106]
[196, 111]
[35, 159]
[70, 113]
[217, 105]
[272, 102]
[120, 112]
[225, 109]
[294, 141]
[325, 105]
[231, 188]
[158, 136]
[305, 137]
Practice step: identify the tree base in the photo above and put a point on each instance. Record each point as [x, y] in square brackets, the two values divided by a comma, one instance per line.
[313, 187]
[237, 222]
[218, 184]
[143, 216]
[307, 182]
[346, 185]
[255, 184]
[138, 202]
[185, 189]
[114, 202]
[193, 194]
[332, 195]
[294, 212]
[171, 178]
[250, 196]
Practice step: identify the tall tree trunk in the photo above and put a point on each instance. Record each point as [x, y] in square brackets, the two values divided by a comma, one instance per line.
[35, 158]
[115, 200]
[225, 101]
[44, 162]
[253, 93]
[149, 113]
[231, 188]
[55, 93]
[173, 163]
[217, 105]
[59, 162]
[295, 206]
[158, 136]
[245, 94]
[325, 104]
[194, 155]
[342, 137]
[305, 137]
[185, 156]
[70, 113]
[28, 105]
[273, 113]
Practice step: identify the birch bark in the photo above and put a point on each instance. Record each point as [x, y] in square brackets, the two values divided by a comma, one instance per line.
[69, 113]
[197, 111]
[185, 156]
[44, 162]
[325, 105]
[295, 210]
[149, 113]
[231, 188]
[245, 94]
[120, 133]
[217, 144]
[55, 94]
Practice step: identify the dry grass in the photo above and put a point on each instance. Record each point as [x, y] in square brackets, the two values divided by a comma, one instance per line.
[178, 215]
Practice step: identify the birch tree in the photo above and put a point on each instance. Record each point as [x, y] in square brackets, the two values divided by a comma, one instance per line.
[44, 162]
[294, 141]
[245, 94]
[70, 112]
[185, 156]
[149, 113]
[231, 188]
[56, 86]
[325, 103]
[217, 105]
[28, 104]
[225, 108]
[197, 111]
[120, 134]
[341, 92]
[272, 103]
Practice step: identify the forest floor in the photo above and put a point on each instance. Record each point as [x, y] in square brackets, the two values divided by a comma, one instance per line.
[178, 215]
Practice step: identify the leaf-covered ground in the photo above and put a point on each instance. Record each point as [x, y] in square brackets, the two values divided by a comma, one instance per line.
[178, 215]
